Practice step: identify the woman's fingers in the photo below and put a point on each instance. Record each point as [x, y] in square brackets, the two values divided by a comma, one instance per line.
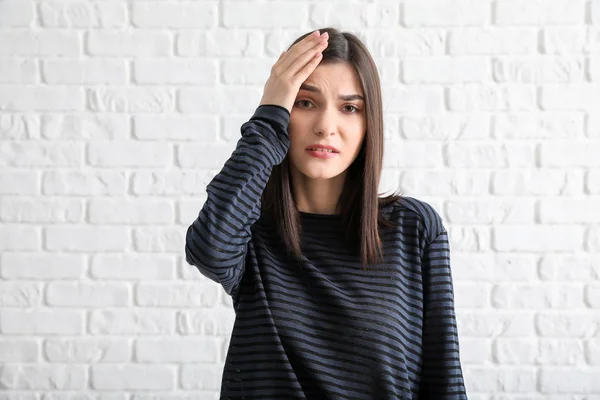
[309, 61]
[300, 53]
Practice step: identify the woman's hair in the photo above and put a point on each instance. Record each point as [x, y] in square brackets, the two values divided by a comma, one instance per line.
[359, 202]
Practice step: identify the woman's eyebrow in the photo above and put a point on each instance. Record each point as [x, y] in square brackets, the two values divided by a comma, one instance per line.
[346, 97]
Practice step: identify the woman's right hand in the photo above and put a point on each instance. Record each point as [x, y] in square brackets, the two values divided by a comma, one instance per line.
[292, 68]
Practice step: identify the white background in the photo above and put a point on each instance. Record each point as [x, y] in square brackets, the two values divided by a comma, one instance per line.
[115, 115]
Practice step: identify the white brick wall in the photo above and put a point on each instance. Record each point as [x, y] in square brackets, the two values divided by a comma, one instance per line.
[115, 115]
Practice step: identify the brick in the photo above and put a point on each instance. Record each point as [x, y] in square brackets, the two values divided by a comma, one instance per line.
[81, 294]
[492, 211]
[206, 322]
[47, 43]
[120, 154]
[538, 238]
[85, 126]
[537, 181]
[133, 377]
[37, 322]
[41, 98]
[176, 127]
[547, 125]
[595, 11]
[199, 377]
[78, 183]
[492, 268]
[180, 350]
[15, 237]
[445, 70]
[36, 210]
[220, 43]
[592, 182]
[446, 13]
[187, 155]
[475, 41]
[16, 13]
[178, 295]
[486, 97]
[139, 211]
[183, 14]
[40, 266]
[532, 12]
[141, 43]
[127, 267]
[491, 155]
[569, 268]
[445, 127]
[130, 100]
[421, 42]
[86, 238]
[423, 155]
[17, 350]
[381, 14]
[501, 379]
[563, 40]
[217, 100]
[248, 14]
[159, 239]
[19, 182]
[567, 153]
[445, 183]
[178, 72]
[87, 350]
[515, 351]
[187, 210]
[18, 70]
[471, 295]
[82, 72]
[44, 377]
[576, 96]
[537, 297]
[19, 294]
[41, 154]
[131, 322]
[411, 100]
[19, 126]
[571, 380]
[582, 210]
[545, 69]
[482, 323]
[170, 183]
[82, 14]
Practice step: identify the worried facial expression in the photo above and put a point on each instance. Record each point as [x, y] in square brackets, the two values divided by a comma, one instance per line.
[328, 110]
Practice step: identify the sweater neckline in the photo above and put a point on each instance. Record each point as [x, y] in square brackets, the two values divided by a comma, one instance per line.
[319, 216]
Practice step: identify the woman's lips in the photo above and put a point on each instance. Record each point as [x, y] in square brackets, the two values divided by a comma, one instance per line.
[321, 154]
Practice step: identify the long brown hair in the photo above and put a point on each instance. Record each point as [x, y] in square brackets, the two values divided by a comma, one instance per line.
[359, 202]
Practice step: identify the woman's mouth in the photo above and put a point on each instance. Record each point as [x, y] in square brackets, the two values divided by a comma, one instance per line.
[321, 153]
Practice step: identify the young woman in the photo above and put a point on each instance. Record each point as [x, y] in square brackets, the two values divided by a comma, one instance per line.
[338, 293]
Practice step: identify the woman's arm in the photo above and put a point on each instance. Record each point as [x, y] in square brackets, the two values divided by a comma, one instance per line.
[217, 240]
[441, 374]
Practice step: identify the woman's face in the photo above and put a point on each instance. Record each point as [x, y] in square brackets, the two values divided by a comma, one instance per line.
[321, 116]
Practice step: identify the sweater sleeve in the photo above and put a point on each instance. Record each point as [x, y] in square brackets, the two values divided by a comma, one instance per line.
[441, 374]
[216, 242]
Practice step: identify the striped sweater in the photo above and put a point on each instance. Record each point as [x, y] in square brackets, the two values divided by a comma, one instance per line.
[325, 328]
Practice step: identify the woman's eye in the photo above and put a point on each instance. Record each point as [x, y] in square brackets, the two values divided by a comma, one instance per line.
[350, 108]
[301, 101]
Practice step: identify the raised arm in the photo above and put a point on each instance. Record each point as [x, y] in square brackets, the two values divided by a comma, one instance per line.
[216, 241]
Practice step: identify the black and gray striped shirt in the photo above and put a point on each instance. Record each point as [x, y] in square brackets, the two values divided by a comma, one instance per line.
[325, 328]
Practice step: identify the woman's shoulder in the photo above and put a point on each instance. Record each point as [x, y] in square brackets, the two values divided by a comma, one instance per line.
[400, 207]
